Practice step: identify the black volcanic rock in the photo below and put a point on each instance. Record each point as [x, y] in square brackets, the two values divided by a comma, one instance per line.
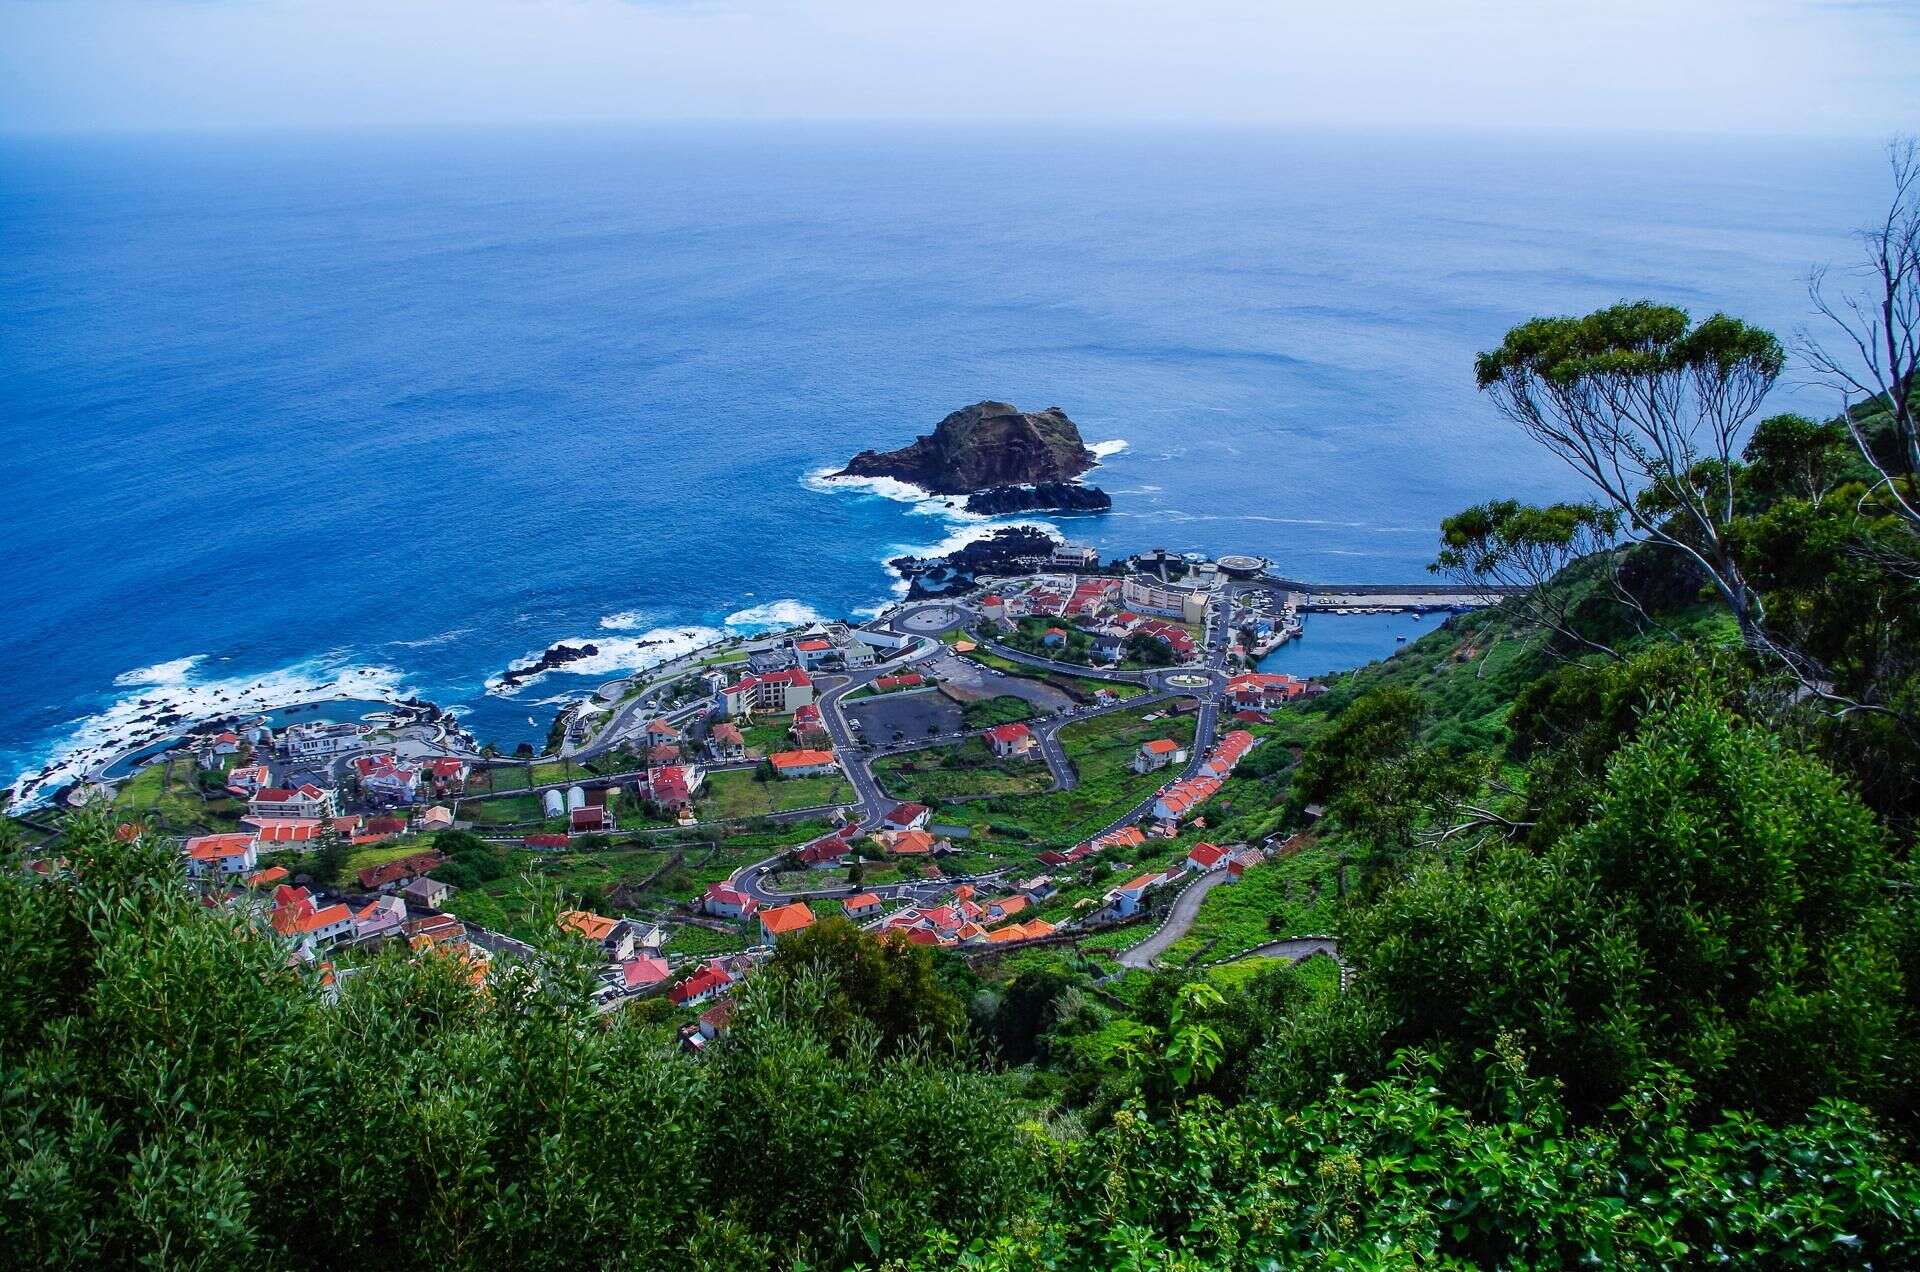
[1050, 496]
[1011, 550]
[552, 659]
[982, 446]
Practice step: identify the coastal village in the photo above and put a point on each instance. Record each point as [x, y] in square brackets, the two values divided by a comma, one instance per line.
[1031, 763]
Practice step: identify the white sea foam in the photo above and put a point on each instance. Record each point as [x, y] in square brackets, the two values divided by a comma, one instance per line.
[960, 537]
[428, 642]
[170, 689]
[786, 612]
[612, 655]
[924, 502]
[624, 621]
[1112, 446]
[163, 673]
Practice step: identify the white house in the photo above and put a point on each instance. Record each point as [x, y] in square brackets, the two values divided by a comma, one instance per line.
[1010, 741]
[221, 855]
[1128, 897]
[1157, 753]
[808, 763]
[380, 917]
[309, 803]
[318, 739]
[1203, 857]
[777, 692]
[906, 817]
[727, 902]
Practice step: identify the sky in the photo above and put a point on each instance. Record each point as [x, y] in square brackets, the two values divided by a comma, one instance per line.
[1799, 67]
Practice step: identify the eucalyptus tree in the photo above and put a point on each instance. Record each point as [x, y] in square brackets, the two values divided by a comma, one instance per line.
[1648, 408]
[1525, 547]
[1872, 346]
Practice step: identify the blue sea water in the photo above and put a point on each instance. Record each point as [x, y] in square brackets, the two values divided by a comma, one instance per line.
[1336, 642]
[399, 409]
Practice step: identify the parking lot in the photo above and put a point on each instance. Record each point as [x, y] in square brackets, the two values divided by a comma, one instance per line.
[903, 717]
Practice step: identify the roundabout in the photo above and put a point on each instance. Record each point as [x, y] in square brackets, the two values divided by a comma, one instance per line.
[1186, 680]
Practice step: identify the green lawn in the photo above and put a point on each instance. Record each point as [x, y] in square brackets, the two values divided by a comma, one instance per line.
[968, 769]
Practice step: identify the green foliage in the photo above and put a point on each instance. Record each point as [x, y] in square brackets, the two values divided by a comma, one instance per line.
[886, 987]
[1724, 911]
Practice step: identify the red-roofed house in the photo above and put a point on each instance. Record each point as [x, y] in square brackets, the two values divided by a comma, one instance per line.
[1010, 741]
[906, 817]
[716, 1019]
[1157, 754]
[1227, 754]
[1204, 856]
[660, 733]
[704, 984]
[781, 920]
[272, 876]
[802, 763]
[643, 972]
[808, 728]
[1182, 798]
[449, 769]
[863, 906]
[812, 651]
[1128, 897]
[590, 819]
[223, 855]
[394, 872]
[725, 742]
[308, 802]
[825, 853]
[1263, 691]
[613, 936]
[283, 830]
[908, 843]
[672, 787]
[728, 902]
[778, 692]
[544, 841]
[245, 781]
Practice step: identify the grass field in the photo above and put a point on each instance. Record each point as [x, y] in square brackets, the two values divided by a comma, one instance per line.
[508, 810]
[1004, 709]
[1101, 750]
[739, 793]
[166, 796]
[767, 734]
[379, 854]
[968, 769]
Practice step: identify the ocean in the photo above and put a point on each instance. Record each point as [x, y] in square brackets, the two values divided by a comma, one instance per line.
[289, 415]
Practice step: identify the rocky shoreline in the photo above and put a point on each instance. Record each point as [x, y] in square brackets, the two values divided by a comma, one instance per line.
[1006, 551]
[1050, 496]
